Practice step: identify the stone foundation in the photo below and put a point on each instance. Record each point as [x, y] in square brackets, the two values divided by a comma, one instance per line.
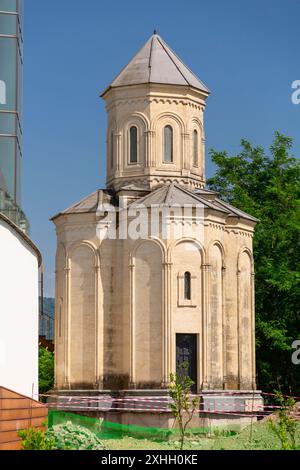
[233, 410]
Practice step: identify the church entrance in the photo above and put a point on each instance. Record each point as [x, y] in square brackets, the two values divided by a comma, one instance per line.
[186, 351]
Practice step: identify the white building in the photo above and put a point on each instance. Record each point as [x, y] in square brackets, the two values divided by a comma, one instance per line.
[19, 310]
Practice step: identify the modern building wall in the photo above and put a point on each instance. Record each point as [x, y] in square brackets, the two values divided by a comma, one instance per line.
[19, 310]
[11, 62]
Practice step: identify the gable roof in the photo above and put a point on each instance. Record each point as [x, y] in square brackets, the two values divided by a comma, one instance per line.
[175, 194]
[164, 196]
[157, 63]
[89, 204]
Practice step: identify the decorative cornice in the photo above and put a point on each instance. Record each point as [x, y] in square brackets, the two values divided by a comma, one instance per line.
[216, 226]
[243, 233]
[177, 101]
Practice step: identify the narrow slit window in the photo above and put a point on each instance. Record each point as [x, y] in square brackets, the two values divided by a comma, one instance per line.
[196, 144]
[168, 144]
[187, 286]
[133, 145]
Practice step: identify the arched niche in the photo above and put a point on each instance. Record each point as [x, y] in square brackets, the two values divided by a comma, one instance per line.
[82, 316]
[186, 258]
[245, 318]
[148, 314]
[139, 122]
[175, 123]
[215, 320]
[195, 126]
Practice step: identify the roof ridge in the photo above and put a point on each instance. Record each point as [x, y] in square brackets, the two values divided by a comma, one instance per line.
[124, 68]
[141, 200]
[236, 210]
[198, 198]
[168, 195]
[163, 44]
[150, 59]
[82, 200]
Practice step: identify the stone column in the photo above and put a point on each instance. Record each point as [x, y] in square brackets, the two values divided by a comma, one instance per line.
[167, 360]
[119, 165]
[205, 326]
[99, 330]
[224, 329]
[231, 324]
[152, 149]
[202, 163]
[186, 151]
[56, 323]
[149, 151]
[253, 332]
[67, 329]
[239, 338]
[132, 378]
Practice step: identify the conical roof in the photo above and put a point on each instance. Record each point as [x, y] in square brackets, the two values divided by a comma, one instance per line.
[157, 63]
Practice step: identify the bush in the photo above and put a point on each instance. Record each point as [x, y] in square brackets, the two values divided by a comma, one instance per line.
[285, 427]
[66, 436]
[69, 436]
[36, 439]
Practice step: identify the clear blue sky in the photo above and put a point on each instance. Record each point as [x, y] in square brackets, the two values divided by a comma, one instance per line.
[246, 52]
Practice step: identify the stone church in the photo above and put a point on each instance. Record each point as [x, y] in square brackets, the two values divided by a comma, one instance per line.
[129, 309]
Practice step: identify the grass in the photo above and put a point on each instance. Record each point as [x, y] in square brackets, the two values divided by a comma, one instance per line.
[262, 439]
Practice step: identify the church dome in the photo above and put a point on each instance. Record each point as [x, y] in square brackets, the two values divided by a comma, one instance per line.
[157, 63]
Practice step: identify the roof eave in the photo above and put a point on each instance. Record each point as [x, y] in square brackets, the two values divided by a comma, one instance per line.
[205, 91]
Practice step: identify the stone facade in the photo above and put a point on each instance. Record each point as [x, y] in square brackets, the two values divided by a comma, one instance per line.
[152, 107]
[120, 303]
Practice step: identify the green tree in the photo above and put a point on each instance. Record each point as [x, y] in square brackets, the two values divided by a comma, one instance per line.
[46, 370]
[268, 187]
[183, 406]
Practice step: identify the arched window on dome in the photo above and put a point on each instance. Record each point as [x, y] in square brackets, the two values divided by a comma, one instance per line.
[168, 144]
[195, 148]
[133, 145]
[187, 286]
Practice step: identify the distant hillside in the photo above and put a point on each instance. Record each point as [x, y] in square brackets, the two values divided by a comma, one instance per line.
[49, 306]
